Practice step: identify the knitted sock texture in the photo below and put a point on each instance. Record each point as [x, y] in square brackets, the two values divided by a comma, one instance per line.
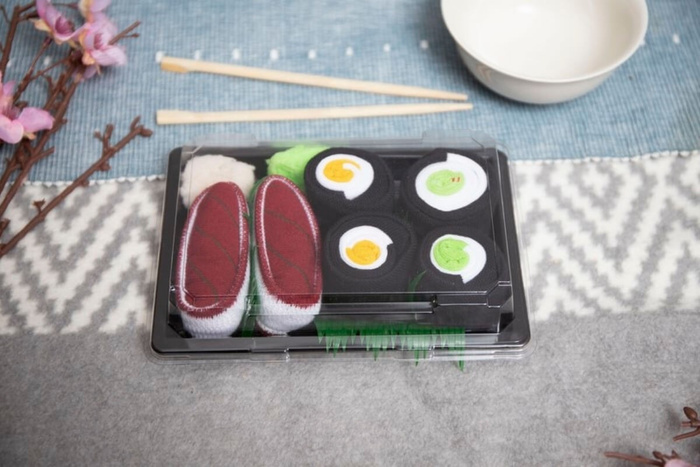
[425, 217]
[392, 276]
[435, 280]
[288, 257]
[330, 205]
[213, 262]
[201, 172]
[291, 163]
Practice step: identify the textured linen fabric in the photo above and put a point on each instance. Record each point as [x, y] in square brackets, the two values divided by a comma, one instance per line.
[611, 249]
[652, 103]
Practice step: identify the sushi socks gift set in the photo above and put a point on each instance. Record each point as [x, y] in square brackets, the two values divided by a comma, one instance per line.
[406, 248]
[214, 261]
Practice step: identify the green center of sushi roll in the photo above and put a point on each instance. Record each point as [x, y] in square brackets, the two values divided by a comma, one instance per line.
[449, 254]
[445, 182]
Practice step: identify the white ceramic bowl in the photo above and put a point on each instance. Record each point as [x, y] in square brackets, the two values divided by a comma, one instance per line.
[545, 51]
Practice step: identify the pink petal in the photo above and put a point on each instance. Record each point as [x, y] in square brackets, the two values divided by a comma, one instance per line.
[34, 119]
[51, 15]
[41, 6]
[99, 5]
[105, 26]
[110, 55]
[8, 88]
[6, 97]
[10, 131]
[64, 26]
[678, 463]
[89, 7]
[61, 28]
[11, 112]
[90, 72]
[99, 41]
[98, 34]
[88, 39]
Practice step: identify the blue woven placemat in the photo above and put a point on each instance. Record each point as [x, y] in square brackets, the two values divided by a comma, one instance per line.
[652, 103]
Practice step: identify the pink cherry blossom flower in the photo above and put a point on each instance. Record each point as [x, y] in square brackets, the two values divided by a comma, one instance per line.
[97, 50]
[16, 124]
[60, 28]
[92, 9]
[6, 95]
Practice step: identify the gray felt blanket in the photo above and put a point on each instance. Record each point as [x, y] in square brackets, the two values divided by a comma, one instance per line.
[613, 264]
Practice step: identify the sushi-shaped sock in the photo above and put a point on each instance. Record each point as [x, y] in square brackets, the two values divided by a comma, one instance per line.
[341, 181]
[201, 172]
[457, 259]
[292, 162]
[288, 257]
[446, 187]
[213, 263]
[368, 253]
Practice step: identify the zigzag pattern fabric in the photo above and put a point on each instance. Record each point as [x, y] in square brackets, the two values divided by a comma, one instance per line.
[599, 236]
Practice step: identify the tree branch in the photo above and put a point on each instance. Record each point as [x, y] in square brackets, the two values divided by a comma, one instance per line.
[17, 18]
[125, 33]
[28, 77]
[693, 422]
[631, 458]
[102, 164]
[37, 151]
[4, 13]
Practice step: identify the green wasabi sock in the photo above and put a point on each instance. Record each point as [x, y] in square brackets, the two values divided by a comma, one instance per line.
[292, 162]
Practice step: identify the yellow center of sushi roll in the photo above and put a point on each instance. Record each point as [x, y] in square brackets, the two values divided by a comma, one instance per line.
[364, 252]
[336, 171]
[364, 247]
[346, 173]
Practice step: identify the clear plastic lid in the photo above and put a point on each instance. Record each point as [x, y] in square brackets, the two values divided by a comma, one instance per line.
[404, 248]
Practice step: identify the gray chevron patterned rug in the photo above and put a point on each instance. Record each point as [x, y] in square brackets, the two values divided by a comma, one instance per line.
[613, 267]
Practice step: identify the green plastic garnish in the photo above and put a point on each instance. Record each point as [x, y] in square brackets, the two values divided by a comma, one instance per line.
[449, 254]
[445, 182]
[380, 337]
[292, 162]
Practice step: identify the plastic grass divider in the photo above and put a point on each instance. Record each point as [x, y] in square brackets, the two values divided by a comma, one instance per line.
[380, 337]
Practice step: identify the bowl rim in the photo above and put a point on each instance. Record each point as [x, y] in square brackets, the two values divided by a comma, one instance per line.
[594, 74]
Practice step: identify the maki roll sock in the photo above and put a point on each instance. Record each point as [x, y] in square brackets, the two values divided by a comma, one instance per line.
[446, 187]
[457, 259]
[341, 181]
[213, 263]
[288, 257]
[368, 253]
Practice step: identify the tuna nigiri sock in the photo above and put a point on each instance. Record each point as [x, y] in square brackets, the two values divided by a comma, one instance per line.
[287, 259]
[213, 264]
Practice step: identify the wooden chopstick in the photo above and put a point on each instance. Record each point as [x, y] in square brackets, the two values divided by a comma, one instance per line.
[183, 65]
[175, 117]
